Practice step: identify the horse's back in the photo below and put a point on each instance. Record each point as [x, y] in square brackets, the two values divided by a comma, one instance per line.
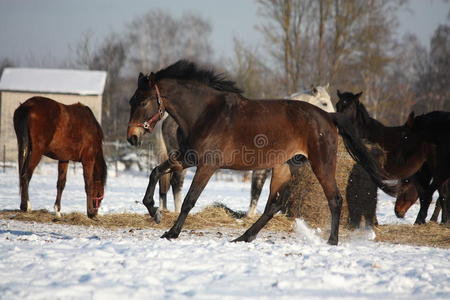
[83, 118]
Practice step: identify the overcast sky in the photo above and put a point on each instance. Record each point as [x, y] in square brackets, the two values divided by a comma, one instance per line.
[42, 30]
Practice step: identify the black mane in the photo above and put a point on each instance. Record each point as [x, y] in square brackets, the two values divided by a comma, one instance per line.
[184, 69]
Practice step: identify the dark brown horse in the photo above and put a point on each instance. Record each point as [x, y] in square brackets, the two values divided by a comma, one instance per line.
[434, 127]
[62, 132]
[222, 129]
[406, 152]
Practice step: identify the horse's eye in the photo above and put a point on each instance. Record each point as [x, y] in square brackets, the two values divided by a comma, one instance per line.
[142, 103]
[324, 104]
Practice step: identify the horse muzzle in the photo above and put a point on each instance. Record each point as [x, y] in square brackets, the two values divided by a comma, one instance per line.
[134, 135]
[400, 214]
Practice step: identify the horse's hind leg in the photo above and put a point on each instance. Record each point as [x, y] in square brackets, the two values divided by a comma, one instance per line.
[201, 178]
[258, 179]
[164, 185]
[324, 167]
[176, 181]
[280, 178]
[62, 176]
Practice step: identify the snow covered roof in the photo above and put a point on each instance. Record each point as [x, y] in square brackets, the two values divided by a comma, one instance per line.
[60, 81]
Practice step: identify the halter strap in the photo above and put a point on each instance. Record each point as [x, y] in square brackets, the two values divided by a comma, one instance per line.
[97, 201]
[157, 116]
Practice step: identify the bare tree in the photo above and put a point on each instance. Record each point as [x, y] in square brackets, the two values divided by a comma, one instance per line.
[251, 73]
[286, 31]
[109, 56]
[432, 86]
[158, 39]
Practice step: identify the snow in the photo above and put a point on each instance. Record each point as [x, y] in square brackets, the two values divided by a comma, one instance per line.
[43, 261]
[79, 82]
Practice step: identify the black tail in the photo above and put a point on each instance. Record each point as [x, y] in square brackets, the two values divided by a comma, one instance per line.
[237, 214]
[359, 152]
[23, 141]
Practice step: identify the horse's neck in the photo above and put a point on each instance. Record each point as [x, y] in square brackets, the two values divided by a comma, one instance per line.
[186, 105]
[375, 131]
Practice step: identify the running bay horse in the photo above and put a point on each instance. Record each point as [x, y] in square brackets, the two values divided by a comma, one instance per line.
[62, 132]
[318, 96]
[223, 129]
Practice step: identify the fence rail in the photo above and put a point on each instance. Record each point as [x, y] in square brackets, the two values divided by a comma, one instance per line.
[120, 157]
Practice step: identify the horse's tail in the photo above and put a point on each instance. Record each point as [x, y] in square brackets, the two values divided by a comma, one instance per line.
[359, 152]
[23, 140]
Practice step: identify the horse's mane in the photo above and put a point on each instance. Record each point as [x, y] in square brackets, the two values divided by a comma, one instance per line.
[184, 69]
[364, 115]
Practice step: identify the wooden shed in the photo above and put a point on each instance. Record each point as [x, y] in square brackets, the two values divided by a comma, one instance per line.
[65, 86]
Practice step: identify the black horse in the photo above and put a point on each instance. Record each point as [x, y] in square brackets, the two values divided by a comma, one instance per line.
[407, 151]
[434, 127]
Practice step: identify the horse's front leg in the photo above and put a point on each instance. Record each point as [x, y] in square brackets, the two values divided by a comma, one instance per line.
[148, 200]
[425, 201]
[201, 178]
[88, 174]
[62, 176]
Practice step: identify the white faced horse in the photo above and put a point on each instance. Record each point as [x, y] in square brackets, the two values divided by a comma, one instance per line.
[317, 96]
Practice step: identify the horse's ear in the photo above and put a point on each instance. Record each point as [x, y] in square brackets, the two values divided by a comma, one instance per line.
[410, 121]
[339, 93]
[314, 90]
[327, 86]
[152, 79]
[357, 96]
[142, 81]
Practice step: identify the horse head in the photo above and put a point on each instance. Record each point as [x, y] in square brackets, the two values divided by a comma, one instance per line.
[318, 96]
[406, 197]
[147, 108]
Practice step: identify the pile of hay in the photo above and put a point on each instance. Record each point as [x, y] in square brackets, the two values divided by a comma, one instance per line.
[431, 234]
[358, 191]
[210, 217]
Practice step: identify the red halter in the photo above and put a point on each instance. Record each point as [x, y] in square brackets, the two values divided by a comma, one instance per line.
[97, 201]
[156, 117]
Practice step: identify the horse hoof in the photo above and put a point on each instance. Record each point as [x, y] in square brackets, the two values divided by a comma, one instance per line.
[169, 235]
[156, 215]
[332, 242]
[419, 222]
[57, 215]
[244, 238]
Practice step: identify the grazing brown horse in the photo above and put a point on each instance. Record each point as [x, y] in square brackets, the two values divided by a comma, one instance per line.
[62, 132]
[406, 152]
[222, 129]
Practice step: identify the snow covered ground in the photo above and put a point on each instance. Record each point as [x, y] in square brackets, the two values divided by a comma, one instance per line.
[43, 261]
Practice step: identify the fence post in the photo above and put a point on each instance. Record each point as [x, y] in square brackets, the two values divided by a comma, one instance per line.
[117, 158]
[4, 158]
